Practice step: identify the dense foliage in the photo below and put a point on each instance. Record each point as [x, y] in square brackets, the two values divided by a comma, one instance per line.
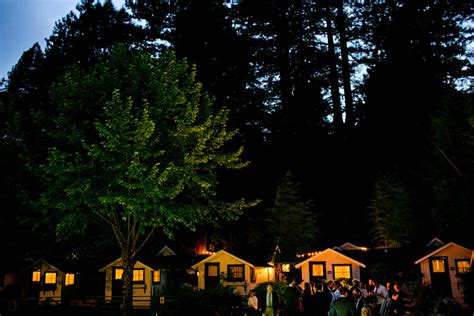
[368, 103]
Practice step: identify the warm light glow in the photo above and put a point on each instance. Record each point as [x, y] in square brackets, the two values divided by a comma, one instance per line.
[156, 276]
[212, 271]
[317, 270]
[118, 274]
[138, 275]
[342, 272]
[285, 267]
[36, 276]
[50, 278]
[69, 279]
[364, 248]
[438, 266]
[463, 266]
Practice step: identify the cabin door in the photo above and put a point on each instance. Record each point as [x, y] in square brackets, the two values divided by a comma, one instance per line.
[212, 275]
[440, 280]
[117, 283]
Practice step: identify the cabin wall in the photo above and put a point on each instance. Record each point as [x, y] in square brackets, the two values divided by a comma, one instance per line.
[453, 252]
[330, 259]
[141, 292]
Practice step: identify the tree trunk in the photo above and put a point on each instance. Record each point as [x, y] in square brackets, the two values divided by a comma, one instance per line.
[346, 74]
[333, 77]
[128, 262]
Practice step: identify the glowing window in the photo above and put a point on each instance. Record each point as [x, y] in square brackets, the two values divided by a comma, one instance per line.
[69, 279]
[342, 271]
[462, 266]
[285, 267]
[212, 270]
[36, 276]
[156, 276]
[317, 270]
[118, 273]
[50, 278]
[138, 275]
[438, 266]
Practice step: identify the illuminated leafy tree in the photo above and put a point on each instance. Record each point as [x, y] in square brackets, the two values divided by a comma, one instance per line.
[147, 162]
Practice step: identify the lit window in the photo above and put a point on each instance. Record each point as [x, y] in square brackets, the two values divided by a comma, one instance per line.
[285, 267]
[156, 276]
[138, 275]
[69, 279]
[235, 272]
[342, 271]
[317, 270]
[50, 278]
[213, 270]
[118, 273]
[438, 266]
[462, 266]
[36, 276]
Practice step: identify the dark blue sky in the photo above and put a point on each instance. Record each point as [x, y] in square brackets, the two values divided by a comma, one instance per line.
[24, 22]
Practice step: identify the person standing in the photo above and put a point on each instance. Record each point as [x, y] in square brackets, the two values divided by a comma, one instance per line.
[398, 303]
[270, 303]
[253, 304]
[292, 295]
[358, 300]
[343, 305]
[307, 300]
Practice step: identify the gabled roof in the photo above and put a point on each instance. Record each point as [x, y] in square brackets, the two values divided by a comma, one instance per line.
[329, 250]
[435, 242]
[220, 252]
[166, 251]
[43, 261]
[347, 246]
[116, 261]
[438, 250]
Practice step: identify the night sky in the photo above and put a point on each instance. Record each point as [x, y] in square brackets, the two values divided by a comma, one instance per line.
[24, 22]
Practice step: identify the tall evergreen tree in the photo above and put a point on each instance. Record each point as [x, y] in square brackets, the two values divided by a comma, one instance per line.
[391, 212]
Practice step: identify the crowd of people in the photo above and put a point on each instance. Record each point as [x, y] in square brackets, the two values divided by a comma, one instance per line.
[333, 298]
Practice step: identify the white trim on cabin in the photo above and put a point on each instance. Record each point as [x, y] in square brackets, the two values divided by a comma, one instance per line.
[435, 240]
[113, 263]
[322, 253]
[43, 261]
[166, 248]
[438, 250]
[221, 252]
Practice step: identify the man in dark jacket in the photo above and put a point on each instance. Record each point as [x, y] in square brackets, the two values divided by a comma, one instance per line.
[292, 296]
[269, 302]
[343, 305]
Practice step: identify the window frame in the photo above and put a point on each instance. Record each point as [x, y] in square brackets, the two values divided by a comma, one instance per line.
[253, 276]
[445, 265]
[456, 261]
[341, 265]
[231, 278]
[66, 279]
[159, 278]
[114, 274]
[142, 274]
[313, 263]
[33, 274]
[55, 273]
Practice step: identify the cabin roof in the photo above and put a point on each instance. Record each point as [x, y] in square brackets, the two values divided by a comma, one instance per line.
[332, 251]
